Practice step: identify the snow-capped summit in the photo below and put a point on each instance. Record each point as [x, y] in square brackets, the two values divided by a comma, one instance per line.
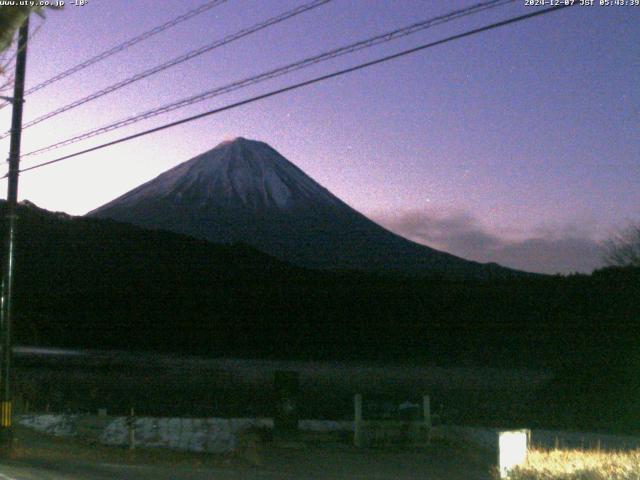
[245, 191]
[237, 172]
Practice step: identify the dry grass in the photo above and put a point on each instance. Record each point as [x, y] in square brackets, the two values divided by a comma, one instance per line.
[579, 465]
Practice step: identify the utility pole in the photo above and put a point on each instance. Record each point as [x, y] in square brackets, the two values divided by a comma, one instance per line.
[6, 427]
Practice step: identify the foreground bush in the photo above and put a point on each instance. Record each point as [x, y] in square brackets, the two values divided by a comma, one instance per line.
[579, 465]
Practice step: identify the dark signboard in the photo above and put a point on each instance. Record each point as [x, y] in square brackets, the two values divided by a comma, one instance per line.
[387, 409]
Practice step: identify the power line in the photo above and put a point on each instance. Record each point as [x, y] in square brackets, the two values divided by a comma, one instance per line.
[129, 43]
[176, 61]
[303, 84]
[298, 65]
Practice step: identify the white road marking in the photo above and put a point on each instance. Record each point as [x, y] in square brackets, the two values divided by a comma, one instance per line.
[6, 477]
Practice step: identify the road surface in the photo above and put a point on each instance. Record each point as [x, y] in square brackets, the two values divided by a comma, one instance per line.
[318, 463]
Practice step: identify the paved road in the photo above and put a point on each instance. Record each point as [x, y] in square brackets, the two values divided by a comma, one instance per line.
[276, 464]
[76, 471]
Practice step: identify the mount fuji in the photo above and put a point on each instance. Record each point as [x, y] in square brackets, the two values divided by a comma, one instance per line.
[245, 191]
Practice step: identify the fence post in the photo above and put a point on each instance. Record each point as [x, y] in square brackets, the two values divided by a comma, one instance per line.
[357, 420]
[286, 387]
[426, 413]
[132, 429]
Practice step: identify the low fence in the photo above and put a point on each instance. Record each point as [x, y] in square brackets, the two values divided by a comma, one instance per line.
[213, 435]
[222, 434]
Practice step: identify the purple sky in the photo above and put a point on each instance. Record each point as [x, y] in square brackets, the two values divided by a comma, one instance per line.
[519, 145]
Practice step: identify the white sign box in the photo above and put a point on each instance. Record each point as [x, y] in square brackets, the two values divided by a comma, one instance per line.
[512, 450]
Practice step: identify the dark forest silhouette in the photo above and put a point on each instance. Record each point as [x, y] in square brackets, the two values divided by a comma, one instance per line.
[90, 283]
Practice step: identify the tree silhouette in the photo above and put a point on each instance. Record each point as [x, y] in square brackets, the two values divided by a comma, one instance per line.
[624, 248]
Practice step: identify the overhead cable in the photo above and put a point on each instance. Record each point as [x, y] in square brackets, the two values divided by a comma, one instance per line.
[176, 61]
[124, 45]
[298, 65]
[301, 84]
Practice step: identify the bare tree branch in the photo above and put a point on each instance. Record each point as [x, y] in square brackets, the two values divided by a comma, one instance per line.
[624, 248]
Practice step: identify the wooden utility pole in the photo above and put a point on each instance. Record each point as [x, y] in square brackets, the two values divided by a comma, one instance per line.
[6, 426]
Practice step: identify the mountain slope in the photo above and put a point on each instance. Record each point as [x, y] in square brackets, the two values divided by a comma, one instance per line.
[245, 191]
